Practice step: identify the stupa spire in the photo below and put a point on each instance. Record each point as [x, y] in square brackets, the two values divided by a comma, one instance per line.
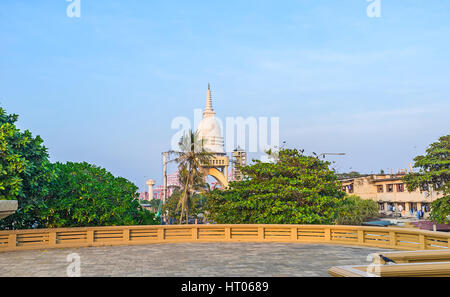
[208, 108]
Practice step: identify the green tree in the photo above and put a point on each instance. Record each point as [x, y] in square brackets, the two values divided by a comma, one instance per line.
[87, 195]
[351, 174]
[192, 178]
[354, 210]
[294, 189]
[434, 173]
[24, 173]
[196, 204]
[153, 203]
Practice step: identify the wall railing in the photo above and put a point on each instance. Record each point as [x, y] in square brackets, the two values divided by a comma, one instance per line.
[382, 237]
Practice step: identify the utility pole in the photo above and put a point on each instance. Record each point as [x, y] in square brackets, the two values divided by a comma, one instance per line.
[164, 196]
[165, 176]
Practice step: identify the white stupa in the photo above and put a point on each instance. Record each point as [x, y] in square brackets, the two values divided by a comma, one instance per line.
[209, 128]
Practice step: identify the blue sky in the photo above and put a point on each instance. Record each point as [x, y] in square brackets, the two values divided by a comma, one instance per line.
[105, 87]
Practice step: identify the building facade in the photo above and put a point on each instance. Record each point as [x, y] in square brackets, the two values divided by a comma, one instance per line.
[390, 192]
[238, 160]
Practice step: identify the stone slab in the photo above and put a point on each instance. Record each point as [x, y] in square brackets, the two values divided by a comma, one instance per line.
[7, 208]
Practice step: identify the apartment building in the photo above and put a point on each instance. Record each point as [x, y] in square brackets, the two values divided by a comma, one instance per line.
[390, 192]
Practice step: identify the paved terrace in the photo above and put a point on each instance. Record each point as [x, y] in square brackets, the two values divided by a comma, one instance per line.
[190, 260]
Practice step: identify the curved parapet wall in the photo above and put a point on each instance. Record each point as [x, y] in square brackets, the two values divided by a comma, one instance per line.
[382, 237]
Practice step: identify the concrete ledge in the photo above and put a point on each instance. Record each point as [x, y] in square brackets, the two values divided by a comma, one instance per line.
[434, 269]
[7, 208]
[426, 256]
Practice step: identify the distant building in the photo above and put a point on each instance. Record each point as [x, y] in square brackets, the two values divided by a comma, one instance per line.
[172, 182]
[158, 192]
[390, 192]
[143, 196]
[238, 160]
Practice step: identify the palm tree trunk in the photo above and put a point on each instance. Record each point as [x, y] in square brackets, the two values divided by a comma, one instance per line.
[184, 197]
[191, 183]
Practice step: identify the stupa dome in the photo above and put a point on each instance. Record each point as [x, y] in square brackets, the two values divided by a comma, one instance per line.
[209, 128]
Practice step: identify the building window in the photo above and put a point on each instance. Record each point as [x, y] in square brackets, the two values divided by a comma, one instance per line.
[380, 189]
[344, 188]
[390, 188]
[381, 206]
[400, 187]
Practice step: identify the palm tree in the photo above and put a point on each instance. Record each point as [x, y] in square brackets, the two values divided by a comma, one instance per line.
[191, 158]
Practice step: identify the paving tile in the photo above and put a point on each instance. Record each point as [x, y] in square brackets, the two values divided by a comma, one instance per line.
[191, 260]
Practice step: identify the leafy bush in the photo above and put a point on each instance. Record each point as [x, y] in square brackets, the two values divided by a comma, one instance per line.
[441, 210]
[87, 195]
[24, 173]
[354, 210]
[434, 173]
[294, 189]
[60, 195]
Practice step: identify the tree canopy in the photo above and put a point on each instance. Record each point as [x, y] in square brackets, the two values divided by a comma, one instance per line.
[434, 173]
[24, 173]
[351, 174]
[354, 210]
[87, 195]
[294, 189]
[60, 195]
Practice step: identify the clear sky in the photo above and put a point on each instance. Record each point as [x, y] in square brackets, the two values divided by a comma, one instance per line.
[105, 87]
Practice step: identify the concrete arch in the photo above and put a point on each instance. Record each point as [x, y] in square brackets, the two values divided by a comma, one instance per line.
[218, 175]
